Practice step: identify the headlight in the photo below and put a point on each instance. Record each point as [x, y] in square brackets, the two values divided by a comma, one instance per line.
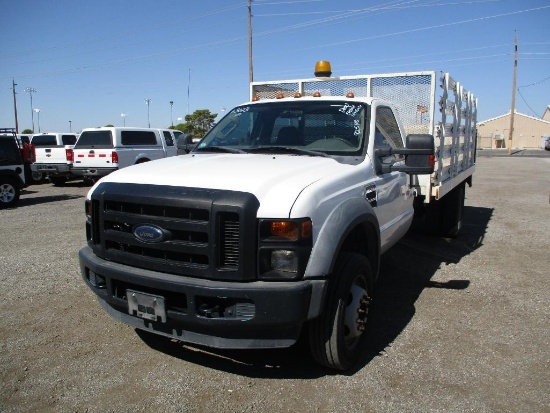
[284, 249]
[284, 260]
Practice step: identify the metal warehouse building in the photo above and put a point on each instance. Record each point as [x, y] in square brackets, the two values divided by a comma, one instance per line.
[528, 131]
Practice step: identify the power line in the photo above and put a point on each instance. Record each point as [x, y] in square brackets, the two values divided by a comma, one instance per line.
[523, 97]
[438, 26]
[191, 49]
[122, 46]
[399, 7]
[161, 25]
[524, 101]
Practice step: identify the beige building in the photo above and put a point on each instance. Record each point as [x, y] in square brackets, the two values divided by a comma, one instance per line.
[528, 131]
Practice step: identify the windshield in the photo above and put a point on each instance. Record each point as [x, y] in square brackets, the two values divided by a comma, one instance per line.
[301, 128]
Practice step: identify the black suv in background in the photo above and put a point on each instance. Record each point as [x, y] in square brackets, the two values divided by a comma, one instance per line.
[12, 175]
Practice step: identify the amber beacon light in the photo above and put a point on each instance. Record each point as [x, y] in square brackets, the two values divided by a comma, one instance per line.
[323, 69]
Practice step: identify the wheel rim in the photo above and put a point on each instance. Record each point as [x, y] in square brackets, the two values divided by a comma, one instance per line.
[356, 312]
[7, 193]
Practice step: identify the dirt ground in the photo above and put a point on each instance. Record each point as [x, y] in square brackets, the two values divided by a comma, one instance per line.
[459, 325]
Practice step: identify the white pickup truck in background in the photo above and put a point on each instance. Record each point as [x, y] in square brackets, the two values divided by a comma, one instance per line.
[54, 156]
[100, 151]
[274, 225]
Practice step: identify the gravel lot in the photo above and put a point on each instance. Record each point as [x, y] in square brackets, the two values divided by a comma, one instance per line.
[459, 325]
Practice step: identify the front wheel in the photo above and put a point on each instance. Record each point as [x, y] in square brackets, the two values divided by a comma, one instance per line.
[9, 193]
[337, 337]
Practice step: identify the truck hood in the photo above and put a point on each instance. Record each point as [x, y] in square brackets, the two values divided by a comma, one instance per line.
[276, 180]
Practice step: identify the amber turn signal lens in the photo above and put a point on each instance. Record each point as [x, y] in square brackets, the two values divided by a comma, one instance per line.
[285, 229]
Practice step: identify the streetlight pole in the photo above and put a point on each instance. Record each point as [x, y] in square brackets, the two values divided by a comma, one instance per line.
[148, 101]
[123, 115]
[31, 90]
[38, 113]
[171, 117]
[70, 126]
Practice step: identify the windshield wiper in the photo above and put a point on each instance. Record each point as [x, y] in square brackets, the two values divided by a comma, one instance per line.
[219, 149]
[287, 149]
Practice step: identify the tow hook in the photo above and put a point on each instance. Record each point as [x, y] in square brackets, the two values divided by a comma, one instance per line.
[209, 312]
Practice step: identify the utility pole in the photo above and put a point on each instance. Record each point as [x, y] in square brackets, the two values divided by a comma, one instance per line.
[15, 107]
[250, 70]
[513, 106]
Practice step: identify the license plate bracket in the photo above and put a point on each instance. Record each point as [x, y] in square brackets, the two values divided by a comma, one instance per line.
[147, 306]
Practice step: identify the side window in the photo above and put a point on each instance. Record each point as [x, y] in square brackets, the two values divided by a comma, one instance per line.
[387, 134]
[9, 153]
[68, 139]
[140, 138]
[168, 138]
[388, 127]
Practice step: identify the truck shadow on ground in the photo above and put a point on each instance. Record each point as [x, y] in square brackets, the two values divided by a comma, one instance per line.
[407, 269]
[24, 202]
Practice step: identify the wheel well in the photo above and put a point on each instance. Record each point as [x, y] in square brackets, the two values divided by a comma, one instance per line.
[12, 177]
[363, 239]
[142, 160]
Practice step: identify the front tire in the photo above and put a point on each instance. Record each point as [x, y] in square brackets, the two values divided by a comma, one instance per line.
[9, 193]
[337, 337]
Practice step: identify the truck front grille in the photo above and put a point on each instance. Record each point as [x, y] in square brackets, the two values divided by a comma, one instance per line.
[199, 233]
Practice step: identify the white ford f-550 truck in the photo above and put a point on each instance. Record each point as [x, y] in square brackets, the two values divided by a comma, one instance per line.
[276, 221]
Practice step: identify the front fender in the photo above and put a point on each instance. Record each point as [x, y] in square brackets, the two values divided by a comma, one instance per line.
[341, 221]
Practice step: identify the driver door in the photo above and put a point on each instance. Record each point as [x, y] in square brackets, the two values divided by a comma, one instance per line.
[391, 191]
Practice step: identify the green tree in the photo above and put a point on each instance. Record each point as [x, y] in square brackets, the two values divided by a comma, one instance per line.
[27, 132]
[198, 123]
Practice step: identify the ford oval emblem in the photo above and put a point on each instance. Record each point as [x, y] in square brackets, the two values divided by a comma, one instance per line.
[149, 233]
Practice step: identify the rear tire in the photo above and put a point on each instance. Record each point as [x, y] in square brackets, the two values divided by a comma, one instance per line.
[9, 193]
[444, 217]
[337, 337]
[452, 217]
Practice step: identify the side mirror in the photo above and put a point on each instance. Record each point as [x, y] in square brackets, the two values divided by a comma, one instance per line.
[419, 156]
[185, 144]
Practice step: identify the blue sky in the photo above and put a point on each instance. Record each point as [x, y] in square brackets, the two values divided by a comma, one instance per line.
[91, 61]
